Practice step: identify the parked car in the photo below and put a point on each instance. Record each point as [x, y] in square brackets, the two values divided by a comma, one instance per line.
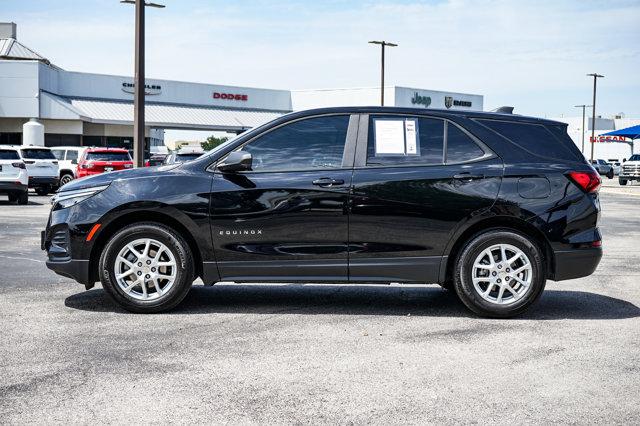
[156, 160]
[14, 179]
[617, 166]
[630, 170]
[603, 168]
[183, 155]
[95, 161]
[68, 157]
[351, 194]
[42, 167]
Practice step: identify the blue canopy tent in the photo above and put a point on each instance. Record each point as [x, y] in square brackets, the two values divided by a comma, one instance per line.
[632, 133]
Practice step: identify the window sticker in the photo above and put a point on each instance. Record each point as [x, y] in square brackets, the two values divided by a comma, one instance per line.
[389, 137]
[396, 137]
[410, 137]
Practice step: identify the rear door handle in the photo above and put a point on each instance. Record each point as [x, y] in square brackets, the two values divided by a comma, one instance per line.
[327, 182]
[467, 176]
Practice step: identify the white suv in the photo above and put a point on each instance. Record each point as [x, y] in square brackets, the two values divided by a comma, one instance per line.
[68, 161]
[630, 170]
[42, 167]
[14, 179]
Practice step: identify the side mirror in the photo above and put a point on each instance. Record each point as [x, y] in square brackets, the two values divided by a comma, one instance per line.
[239, 161]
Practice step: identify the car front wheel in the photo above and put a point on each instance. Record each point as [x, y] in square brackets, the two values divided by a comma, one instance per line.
[147, 268]
[499, 273]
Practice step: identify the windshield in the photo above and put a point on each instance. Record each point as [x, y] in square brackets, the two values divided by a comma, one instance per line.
[37, 154]
[634, 157]
[181, 158]
[107, 156]
[9, 154]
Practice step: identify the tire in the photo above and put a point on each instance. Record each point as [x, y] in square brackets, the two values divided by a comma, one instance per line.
[12, 197]
[65, 178]
[133, 300]
[23, 198]
[512, 304]
[622, 182]
[610, 174]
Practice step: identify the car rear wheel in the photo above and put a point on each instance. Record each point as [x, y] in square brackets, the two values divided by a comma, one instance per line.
[610, 174]
[147, 268]
[44, 190]
[499, 273]
[622, 182]
[65, 178]
[23, 198]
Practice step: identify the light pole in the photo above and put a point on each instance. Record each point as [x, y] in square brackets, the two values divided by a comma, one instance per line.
[138, 82]
[382, 45]
[583, 115]
[593, 118]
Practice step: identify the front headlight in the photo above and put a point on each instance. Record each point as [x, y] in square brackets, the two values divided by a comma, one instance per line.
[67, 199]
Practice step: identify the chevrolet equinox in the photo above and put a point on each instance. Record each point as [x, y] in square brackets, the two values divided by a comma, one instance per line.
[488, 205]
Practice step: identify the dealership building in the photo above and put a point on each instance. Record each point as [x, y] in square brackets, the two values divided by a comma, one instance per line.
[87, 109]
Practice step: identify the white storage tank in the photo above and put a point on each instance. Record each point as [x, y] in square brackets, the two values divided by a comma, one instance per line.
[33, 133]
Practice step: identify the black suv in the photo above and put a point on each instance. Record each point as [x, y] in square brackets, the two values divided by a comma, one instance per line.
[488, 205]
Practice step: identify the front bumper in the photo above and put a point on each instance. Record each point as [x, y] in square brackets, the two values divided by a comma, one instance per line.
[73, 268]
[6, 187]
[576, 263]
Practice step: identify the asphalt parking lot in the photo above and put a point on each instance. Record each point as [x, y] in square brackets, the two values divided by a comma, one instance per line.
[319, 354]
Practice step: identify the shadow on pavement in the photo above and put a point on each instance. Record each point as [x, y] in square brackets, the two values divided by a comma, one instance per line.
[363, 300]
[6, 202]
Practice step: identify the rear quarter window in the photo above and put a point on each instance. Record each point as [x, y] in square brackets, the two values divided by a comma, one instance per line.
[543, 141]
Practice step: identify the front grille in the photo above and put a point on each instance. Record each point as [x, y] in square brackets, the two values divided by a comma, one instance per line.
[631, 170]
[59, 246]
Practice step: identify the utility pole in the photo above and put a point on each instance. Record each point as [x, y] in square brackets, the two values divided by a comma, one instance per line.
[382, 45]
[593, 118]
[584, 107]
[138, 82]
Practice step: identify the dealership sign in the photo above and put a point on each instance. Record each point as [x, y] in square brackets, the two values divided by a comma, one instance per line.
[149, 89]
[449, 102]
[606, 139]
[421, 100]
[231, 96]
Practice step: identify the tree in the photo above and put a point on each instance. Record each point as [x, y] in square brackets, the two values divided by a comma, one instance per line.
[213, 142]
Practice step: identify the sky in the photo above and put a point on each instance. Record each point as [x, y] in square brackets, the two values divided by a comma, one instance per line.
[533, 55]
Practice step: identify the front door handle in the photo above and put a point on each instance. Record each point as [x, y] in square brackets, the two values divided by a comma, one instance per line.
[327, 182]
[467, 176]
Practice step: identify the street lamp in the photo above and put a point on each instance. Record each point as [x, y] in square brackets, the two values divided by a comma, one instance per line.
[593, 118]
[138, 82]
[583, 114]
[382, 45]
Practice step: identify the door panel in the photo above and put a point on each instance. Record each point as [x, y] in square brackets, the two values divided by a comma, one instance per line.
[275, 225]
[402, 217]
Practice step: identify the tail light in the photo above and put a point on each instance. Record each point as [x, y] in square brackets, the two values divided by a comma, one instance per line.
[589, 181]
[146, 164]
[88, 165]
[19, 165]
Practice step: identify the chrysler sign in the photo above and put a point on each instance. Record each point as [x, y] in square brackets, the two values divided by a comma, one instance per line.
[149, 89]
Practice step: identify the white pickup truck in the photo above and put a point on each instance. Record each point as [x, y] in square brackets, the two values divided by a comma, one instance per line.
[630, 170]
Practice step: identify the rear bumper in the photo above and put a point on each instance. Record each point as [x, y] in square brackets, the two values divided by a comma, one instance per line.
[577, 263]
[6, 187]
[35, 181]
[75, 269]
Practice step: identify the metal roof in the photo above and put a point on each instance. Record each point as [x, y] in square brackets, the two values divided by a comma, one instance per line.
[10, 48]
[156, 115]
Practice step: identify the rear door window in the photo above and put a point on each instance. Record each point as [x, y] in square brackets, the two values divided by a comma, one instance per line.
[9, 154]
[72, 155]
[397, 140]
[460, 146]
[535, 138]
